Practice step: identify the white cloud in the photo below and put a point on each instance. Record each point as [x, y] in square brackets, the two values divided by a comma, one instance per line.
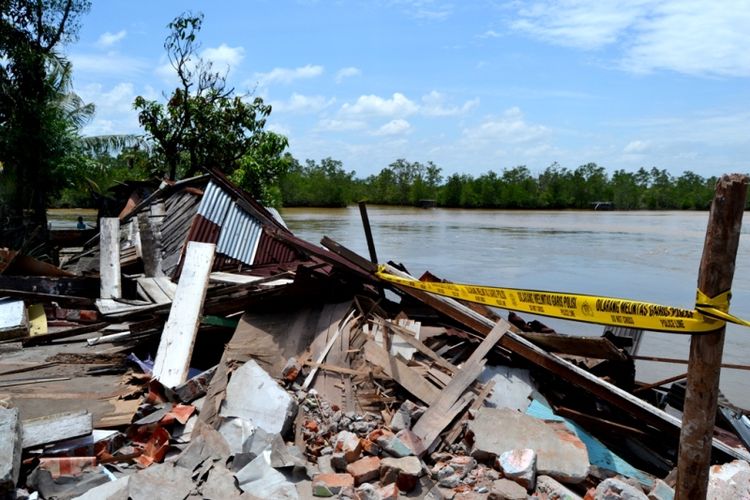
[433, 104]
[111, 64]
[114, 108]
[431, 10]
[397, 105]
[332, 125]
[224, 55]
[288, 75]
[490, 34]
[394, 127]
[510, 128]
[347, 73]
[636, 146]
[108, 39]
[299, 103]
[686, 36]
[279, 129]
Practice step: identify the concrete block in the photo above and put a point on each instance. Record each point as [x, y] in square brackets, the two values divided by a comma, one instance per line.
[254, 395]
[730, 480]
[513, 387]
[10, 449]
[364, 470]
[505, 489]
[520, 466]
[547, 487]
[260, 479]
[661, 491]
[614, 489]
[326, 485]
[389, 492]
[349, 444]
[560, 453]
[404, 472]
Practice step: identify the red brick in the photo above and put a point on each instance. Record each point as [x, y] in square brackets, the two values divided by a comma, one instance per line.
[364, 470]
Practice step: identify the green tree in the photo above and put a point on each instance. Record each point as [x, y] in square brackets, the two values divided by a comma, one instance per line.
[35, 132]
[204, 124]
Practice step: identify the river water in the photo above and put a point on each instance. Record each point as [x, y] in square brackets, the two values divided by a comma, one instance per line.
[648, 256]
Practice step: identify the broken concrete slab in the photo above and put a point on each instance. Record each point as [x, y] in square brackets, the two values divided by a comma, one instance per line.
[520, 466]
[614, 489]
[220, 485]
[661, 491]
[10, 449]
[547, 487]
[505, 489]
[560, 454]
[206, 443]
[236, 431]
[513, 387]
[254, 395]
[112, 490]
[260, 479]
[730, 480]
[162, 480]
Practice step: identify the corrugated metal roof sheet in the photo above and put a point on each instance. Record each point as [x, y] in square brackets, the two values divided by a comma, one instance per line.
[239, 236]
[215, 204]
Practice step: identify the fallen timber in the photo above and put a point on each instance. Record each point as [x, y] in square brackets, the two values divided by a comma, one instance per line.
[290, 370]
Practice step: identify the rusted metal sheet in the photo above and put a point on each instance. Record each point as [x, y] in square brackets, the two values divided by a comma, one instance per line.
[203, 230]
[273, 251]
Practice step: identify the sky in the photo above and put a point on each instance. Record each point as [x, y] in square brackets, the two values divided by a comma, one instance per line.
[473, 85]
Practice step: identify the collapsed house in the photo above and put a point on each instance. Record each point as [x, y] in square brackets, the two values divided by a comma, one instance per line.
[197, 349]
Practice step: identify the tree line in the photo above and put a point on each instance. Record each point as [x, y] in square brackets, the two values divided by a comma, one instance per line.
[328, 184]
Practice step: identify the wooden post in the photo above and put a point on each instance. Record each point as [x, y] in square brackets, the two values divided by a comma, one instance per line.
[109, 258]
[178, 338]
[368, 232]
[704, 366]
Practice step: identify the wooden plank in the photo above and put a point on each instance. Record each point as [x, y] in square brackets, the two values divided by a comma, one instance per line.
[110, 286]
[154, 292]
[399, 371]
[321, 356]
[419, 345]
[438, 415]
[178, 338]
[58, 427]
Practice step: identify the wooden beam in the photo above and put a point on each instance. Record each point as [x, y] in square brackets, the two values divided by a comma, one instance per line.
[109, 258]
[704, 367]
[442, 411]
[404, 375]
[178, 337]
[53, 428]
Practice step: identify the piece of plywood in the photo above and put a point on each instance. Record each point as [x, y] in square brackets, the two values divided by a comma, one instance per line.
[404, 375]
[53, 428]
[178, 337]
[109, 258]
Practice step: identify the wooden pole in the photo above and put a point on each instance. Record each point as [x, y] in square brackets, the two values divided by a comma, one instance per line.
[704, 365]
[368, 232]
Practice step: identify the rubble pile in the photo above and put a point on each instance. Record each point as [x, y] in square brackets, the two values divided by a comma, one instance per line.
[198, 349]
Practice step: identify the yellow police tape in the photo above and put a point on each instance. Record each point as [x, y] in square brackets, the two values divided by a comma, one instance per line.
[709, 313]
